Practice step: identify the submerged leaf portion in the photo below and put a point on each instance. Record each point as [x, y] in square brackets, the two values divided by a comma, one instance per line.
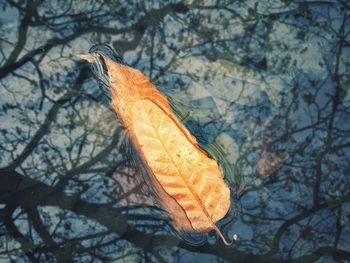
[186, 173]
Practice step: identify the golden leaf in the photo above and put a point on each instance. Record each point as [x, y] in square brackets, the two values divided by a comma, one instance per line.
[185, 173]
[189, 183]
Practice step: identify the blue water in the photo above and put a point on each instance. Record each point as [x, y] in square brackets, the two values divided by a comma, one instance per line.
[263, 85]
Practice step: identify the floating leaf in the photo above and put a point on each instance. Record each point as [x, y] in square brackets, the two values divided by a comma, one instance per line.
[188, 182]
[184, 171]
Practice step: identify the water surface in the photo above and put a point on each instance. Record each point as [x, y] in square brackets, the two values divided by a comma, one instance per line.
[263, 85]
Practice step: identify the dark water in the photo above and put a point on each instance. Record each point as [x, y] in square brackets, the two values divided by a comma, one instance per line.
[263, 85]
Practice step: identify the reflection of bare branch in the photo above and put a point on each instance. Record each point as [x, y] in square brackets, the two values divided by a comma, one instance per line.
[74, 151]
[139, 28]
[100, 156]
[22, 31]
[318, 253]
[34, 193]
[45, 195]
[309, 212]
[26, 244]
[44, 128]
[35, 219]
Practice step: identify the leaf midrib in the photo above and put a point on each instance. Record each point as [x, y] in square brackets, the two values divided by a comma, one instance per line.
[201, 205]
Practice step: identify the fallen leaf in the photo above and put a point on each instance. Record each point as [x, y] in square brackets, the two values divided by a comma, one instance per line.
[188, 182]
[267, 165]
